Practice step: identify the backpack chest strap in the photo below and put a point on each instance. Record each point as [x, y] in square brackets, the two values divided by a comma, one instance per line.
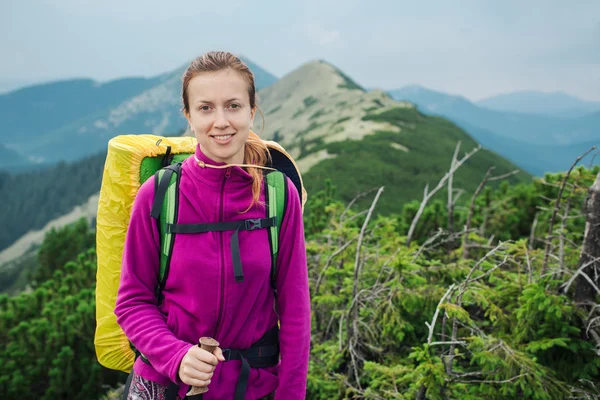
[243, 225]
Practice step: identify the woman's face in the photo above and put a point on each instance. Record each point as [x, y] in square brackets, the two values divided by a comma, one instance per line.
[220, 115]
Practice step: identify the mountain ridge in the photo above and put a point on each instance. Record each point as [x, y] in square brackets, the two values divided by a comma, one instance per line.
[336, 130]
[557, 103]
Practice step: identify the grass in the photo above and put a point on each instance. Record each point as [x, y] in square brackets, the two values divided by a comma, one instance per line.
[318, 114]
[372, 162]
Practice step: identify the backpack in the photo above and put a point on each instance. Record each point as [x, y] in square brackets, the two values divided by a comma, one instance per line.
[130, 161]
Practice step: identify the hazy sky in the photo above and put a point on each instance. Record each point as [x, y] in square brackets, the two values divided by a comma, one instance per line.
[475, 48]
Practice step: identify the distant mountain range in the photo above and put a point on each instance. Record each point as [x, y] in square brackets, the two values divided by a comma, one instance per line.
[555, 104]
[537, 143]
[68, 120]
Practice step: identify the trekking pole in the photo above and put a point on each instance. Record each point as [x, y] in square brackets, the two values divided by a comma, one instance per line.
[208, 344]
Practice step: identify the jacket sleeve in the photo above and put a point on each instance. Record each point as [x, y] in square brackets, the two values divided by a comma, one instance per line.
[293, 302]
[136, 307]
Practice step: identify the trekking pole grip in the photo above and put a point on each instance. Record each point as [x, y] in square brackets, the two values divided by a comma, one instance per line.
[208, 344]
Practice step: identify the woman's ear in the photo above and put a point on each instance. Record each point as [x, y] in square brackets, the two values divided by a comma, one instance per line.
[189, 121]
[252, 114]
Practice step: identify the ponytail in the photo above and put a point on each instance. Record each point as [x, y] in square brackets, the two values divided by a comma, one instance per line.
[257, 153]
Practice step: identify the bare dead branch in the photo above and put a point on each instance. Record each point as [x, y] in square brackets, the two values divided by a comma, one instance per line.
[460, 342]
[491, 382]
[427, 195]
[567, 284]
[504, 176]
[532, 234]
[557, 205]
[426, 243]
[328, 263]
[354, 200]
[472, 209]
[360, 240]
[450, 204]
[591, 164]
[437, 312]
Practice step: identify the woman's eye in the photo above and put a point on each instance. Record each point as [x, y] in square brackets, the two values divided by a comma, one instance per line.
[204, 108]
[235, 105]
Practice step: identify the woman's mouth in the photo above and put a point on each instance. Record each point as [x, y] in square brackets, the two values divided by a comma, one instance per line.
[222, 139]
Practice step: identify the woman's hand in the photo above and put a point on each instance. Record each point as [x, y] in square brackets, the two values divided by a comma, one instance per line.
[198, 365]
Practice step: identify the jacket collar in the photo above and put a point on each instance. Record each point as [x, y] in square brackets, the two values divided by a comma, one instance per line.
[214, 176]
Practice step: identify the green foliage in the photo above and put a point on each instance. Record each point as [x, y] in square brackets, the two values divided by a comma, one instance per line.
[505, 330]
[47, 338]
[507, 327]
[274, 110]
[348, 83]
[309, 101]
[343, 119]
[318, 113]
[14, 274]
[59, 247]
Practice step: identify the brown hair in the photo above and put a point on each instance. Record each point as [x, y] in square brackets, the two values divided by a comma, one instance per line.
[255, 151]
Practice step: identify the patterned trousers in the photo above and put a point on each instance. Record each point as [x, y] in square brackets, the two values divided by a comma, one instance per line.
[143, 389]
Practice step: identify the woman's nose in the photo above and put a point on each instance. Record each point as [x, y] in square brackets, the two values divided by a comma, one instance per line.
[221, 120]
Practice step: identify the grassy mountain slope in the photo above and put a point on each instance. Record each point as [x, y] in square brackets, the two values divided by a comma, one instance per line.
[361, 140]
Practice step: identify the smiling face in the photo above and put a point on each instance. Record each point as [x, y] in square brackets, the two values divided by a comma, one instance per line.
[220, 114]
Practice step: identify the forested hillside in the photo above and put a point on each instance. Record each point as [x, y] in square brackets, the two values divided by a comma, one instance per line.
[492, 300]
[31, 199]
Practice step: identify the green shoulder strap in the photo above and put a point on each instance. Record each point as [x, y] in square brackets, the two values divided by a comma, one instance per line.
[164, 210]
[276, 199]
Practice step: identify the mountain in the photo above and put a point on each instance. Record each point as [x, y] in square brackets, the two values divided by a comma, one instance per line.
[334, 128]
[71, 119]
[360, 140]
[535, 159]
[9, 157]
[515, 136]
[28, 113]
[558, 104]
[531, 128]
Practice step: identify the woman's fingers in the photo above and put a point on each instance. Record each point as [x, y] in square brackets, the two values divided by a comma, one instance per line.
[219, 354]
[196, 382]
[197, 367]
[194, 363]
[204, 356]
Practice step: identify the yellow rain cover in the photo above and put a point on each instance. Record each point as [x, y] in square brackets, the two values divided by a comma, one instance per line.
[120, 184]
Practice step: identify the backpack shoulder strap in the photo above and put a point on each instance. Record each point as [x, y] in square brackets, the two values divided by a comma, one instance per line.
[276, 201]
[164, 210]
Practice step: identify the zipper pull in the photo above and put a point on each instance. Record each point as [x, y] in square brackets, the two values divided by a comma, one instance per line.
[228, 172]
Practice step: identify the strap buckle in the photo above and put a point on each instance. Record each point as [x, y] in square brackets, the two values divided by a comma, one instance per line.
[226, 354]
[252, 224]
[230, 354]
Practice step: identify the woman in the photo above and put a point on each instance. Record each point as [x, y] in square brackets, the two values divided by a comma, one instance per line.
[203, 296]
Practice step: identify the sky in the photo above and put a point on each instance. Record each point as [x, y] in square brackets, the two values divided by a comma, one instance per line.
[473, 48]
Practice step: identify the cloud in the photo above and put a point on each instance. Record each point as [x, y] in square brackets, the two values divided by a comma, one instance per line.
[323, 36]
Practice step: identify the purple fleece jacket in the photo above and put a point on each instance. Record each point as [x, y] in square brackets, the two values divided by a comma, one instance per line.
[202, 298]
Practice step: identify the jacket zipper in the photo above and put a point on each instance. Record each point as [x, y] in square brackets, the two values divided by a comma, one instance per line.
[222, 217]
